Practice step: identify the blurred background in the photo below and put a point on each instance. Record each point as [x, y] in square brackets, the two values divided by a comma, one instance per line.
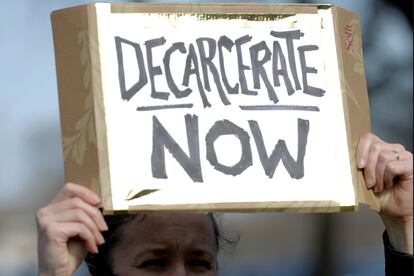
[31, 162]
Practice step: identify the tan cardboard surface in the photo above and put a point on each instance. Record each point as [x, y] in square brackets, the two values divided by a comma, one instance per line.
[212, 8]
[355, 95]
[82, 112]
[70, 30]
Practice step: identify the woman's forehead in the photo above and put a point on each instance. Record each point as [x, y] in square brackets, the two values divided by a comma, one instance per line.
[151, 220]
[166, 228]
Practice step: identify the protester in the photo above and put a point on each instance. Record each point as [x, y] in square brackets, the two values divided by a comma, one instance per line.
[187, 244]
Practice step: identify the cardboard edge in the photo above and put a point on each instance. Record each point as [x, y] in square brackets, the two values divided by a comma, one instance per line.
[104, 187]
[213, 8]
[354, 97]
[71, 59]
[325, 206]
[286, 206]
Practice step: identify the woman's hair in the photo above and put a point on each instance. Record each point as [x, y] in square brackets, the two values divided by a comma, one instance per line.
[101, 263]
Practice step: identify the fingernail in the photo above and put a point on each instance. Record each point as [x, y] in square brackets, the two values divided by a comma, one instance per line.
[101, 240]
[361, 162]
[96, 199]
[369, 183]
[103, 226]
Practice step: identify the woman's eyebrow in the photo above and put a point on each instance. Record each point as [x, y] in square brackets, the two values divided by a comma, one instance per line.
[201, 253]
[162, 251]
[154, 252]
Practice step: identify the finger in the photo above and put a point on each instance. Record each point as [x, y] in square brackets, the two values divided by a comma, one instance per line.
[371, 163]
[78, 215]
[383, 159]
[363, 148]
[370, 169]
[62, 232]
[402, 168]
[80, 230]
[75, 190]
[390, 173]
[390, 153]
[77, 203]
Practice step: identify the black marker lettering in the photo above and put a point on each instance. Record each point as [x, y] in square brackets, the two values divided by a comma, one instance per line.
[154, 70]
[191, 67]
[270, 163]
[242, 67]
[258, 70]
[227, 43]
[207, 61]
[142, 79]
[226, 127]
[278, 57]
[307, 89]
[162, 139]
[289, 36]
[170, 81]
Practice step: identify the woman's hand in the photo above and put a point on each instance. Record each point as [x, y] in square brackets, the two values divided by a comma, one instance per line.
[388, 170]
[68, 226]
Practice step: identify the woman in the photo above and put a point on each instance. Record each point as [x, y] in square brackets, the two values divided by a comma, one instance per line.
[187, 244]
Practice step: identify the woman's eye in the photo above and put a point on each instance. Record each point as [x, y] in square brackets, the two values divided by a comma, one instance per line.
[201, 264]
[154, 263]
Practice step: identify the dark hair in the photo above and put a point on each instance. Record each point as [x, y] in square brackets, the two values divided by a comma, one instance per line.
[101, 263]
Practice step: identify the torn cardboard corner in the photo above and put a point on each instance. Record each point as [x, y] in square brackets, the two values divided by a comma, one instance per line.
[213, 107]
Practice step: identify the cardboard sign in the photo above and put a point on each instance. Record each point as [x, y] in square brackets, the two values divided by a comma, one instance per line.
[211, 107]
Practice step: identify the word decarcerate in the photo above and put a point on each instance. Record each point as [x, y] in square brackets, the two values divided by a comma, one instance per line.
[202, 56]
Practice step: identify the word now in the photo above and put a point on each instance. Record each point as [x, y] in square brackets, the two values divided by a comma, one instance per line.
[191, 163]
[208, 51]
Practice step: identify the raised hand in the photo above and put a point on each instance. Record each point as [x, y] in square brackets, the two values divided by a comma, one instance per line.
[388, 170]
[68, 226]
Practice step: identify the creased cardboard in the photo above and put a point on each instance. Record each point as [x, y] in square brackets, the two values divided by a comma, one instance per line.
[87, 110]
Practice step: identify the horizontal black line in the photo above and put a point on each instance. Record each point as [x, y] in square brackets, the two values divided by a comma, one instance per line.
[280, 107]
[159, 107]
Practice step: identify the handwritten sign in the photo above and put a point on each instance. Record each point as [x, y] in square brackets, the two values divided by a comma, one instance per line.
[213, 111]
